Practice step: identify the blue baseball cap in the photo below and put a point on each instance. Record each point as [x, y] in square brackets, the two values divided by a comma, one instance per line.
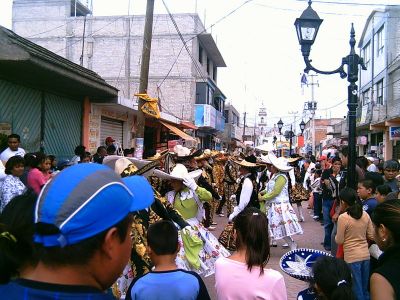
[85, 200]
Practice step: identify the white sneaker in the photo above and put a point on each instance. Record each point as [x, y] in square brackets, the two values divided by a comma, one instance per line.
[211, 228]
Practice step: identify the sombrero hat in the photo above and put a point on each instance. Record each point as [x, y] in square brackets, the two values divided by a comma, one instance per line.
[182, 153]
[294, 159]
[179, 172]
[280, 163]
[298, 263]
[158, 155]
[129, 166]
[247, 162]
[206, 154]
[265, 160]
[265, 147]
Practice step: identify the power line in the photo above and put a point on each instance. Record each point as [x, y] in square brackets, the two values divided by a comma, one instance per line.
[349, 3]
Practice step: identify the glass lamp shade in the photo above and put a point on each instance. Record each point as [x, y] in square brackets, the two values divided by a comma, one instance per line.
[307, 26]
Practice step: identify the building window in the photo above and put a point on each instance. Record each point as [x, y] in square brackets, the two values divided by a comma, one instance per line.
[210, 96]
[208, 66]
[367, 54]
[201, 54]
[379, 92]
[226, 115]
[379, 42]
[365, 97]
[215, 74]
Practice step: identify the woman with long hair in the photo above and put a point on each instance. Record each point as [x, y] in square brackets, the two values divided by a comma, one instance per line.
[244, 275]
[354, 229]
[12, 185]
[385, 279]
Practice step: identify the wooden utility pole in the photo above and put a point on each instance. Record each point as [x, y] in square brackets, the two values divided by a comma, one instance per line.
[144, 77]
[244, 126]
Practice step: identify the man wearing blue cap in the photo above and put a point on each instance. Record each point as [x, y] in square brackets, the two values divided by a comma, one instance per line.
[82, 234]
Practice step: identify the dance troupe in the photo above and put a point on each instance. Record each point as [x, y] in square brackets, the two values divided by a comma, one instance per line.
[191, 186]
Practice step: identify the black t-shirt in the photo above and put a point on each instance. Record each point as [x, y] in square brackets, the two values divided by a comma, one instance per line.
[330, 191]
[388, 267]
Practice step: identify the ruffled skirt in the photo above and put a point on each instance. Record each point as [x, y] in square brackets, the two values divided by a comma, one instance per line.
[283, 220]
[208, 255]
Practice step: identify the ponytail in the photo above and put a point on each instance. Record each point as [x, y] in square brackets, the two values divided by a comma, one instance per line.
[332, 276]
[16, 236]
[349, 196]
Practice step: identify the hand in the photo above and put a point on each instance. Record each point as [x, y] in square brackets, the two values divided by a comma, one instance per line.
[263, 192]
[190, 183]
[335, 217]
[260, 197]
[230, 218]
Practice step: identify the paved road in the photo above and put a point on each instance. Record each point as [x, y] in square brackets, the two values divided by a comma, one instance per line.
[312, 237]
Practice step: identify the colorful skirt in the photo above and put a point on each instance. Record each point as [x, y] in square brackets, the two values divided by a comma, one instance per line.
[299, 194]
[210, 252]
[283, 220]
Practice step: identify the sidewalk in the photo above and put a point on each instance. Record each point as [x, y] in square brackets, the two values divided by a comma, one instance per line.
[312, 237]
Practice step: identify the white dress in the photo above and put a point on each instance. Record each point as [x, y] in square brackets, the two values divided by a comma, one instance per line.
[282, 218]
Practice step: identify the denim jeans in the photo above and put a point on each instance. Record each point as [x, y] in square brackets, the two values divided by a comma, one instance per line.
[317, 205]
[328, 225]
[360, 272]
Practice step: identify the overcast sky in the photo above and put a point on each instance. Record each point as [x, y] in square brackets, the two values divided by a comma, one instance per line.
[260, 47]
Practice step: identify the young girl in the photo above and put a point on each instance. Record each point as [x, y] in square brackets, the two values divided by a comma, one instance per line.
[244, 274]
[39, 172]
[354, 229]
[332, 279]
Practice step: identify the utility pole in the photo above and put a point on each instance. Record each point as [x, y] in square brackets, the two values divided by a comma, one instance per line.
[292, 132]
[144, 77]
[312, 106]
[244, 125]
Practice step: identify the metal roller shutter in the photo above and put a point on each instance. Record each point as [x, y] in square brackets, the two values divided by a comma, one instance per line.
[113, 128]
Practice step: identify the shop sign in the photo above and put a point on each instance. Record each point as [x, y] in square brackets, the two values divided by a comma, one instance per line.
[394, 133]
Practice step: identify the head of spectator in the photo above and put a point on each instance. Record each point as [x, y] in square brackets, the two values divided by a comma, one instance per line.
[375, 177]
[85, 158]
[15, 166]
[64, 163]
[362, 162]
[109, 141]
[76, 236]
[16, 238]
[381, 192]
[366, 189]
[344, 155]
[306, 163]
[80, 150]
[101, 151]
[53, 161]
[336, 165]
[251, 228]
[111, 149]
[30, 160]
[36, 160]
[390, 169]
[386, 218]
[14, 141]
[128, 152]
[45, 166]
[350, 203]
[332, 279]
[163, 245]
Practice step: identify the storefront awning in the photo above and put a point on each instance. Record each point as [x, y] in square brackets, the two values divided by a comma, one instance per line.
[178, 132]
[188, 125]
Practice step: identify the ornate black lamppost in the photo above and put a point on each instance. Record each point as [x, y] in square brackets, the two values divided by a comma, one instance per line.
[307, 28]
[302, 126]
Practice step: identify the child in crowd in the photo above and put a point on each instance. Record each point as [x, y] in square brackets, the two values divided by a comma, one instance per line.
[332, 279]
[366, 192]
[166, 281]
[53, 162]
[353, 231]
[85, 158]
[381, 192]
[38, 174]
[244, 274]
[45, 167]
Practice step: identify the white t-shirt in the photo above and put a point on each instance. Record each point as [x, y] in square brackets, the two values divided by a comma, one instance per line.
[6, 154]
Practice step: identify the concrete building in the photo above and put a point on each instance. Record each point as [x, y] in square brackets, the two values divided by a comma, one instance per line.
[378, 114]
[233, 132]
[184, 78]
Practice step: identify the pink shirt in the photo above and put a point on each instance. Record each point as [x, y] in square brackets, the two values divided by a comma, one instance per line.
[234, 282]
[36, 180]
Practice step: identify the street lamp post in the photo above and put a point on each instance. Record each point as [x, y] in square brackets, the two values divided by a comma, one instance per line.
[290, 141]
[280, 125]
[307, 28]
[302, 126]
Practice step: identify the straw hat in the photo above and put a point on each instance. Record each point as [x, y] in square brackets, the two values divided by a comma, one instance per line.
[205, 155]
[128, 166]
[265, 159]
[179, 172]
[248, 162]
[182, 153]
[294, 159]
[265, 147]
[280, 163]
[158, 155]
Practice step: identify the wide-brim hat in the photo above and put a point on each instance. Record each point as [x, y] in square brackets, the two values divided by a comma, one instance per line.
[182, 153]
[294, 159]
[130, 165]
[206, 154]
[179, 172]
[265, 160]
[298, 263]
[280, 163]
[265, 147]
[158, 155]
[247, 162]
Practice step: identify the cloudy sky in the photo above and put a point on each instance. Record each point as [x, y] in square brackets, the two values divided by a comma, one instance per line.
[259, 44]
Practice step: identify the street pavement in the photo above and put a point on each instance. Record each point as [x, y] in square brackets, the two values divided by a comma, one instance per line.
[311, 238]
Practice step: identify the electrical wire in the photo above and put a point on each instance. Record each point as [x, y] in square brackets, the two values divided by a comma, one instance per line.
[349, 3]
